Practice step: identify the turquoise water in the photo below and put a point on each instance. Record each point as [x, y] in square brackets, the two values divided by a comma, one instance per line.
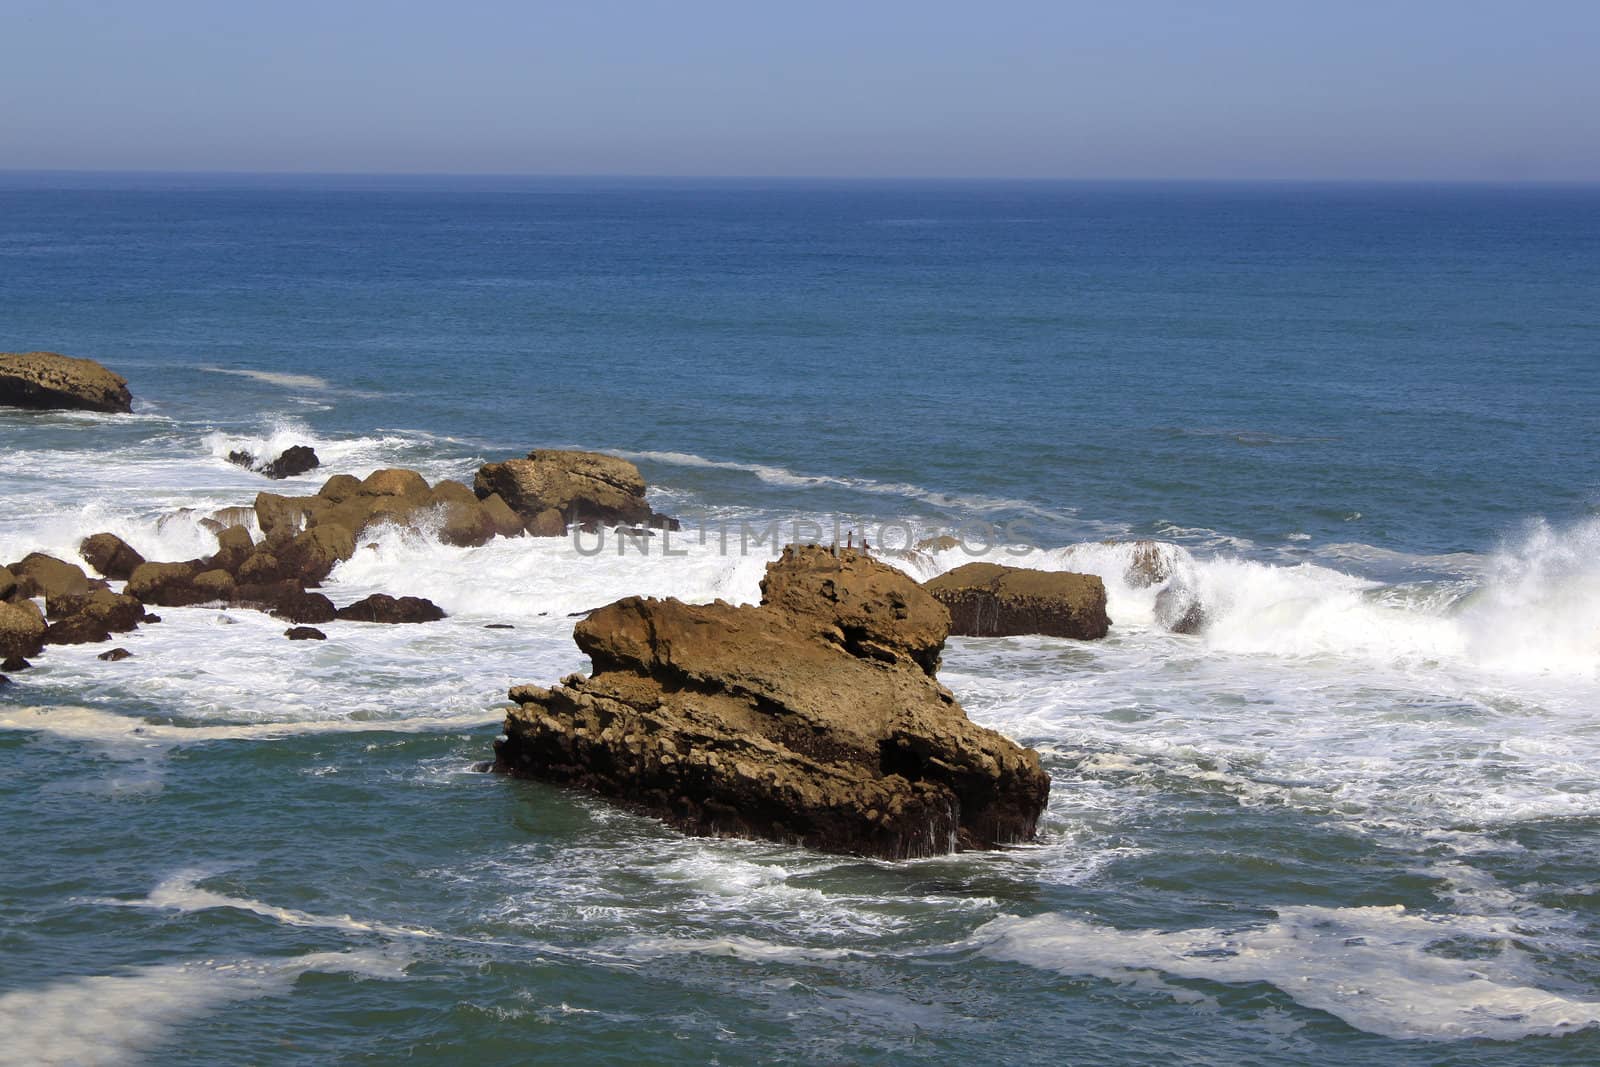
[1355, 822]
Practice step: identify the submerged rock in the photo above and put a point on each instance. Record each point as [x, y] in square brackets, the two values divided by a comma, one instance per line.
[14, 664]
[554, 487]
[814, 718]
[116, 655]
[48, 381]
[109, 554]
[989, 600]
[1180, 610]
[305, 633]
[297, 459]
[381, 607]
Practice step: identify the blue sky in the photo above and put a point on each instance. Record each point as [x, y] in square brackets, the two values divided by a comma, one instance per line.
[1408, 89]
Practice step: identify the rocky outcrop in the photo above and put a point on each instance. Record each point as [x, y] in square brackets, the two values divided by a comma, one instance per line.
[989, 600]
[552, 487]
[47, 381]
[381, 607]
[345, 508]
[295, 460]
[814, 718]
[110, 555]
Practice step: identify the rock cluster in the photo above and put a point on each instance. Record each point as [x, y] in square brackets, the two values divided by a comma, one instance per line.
[551, 489]
[814, 718]
[47, 381]
[990, 600]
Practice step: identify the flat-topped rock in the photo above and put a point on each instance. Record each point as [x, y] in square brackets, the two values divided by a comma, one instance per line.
[814, 718]
[990, 600]
[555, 486]
[48, 381]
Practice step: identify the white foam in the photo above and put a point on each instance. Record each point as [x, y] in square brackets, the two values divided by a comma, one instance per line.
[92, 724]
[103, 1020]
[1383, 970]
[288, 381]
[782, 476]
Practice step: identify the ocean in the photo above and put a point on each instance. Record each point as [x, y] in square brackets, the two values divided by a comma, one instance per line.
[1355, 821]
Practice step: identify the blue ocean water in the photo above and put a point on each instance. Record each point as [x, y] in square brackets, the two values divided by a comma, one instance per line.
[1355, 819]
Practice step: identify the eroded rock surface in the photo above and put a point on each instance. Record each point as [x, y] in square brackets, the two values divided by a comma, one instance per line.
[814, 718]
[48, 381]
[552, 488]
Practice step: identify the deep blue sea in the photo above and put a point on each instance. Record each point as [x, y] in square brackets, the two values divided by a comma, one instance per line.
[1355, 821]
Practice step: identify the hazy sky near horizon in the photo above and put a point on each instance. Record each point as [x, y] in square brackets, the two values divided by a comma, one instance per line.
[1407, 89]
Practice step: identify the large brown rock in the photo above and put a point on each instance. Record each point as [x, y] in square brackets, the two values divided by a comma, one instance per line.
[167, 584]
[117, 612]
[8, 583]
[47, 576]
[312, 555]
[110, 555]
[814, 718]
[47, 381]
[989, 600]
[22, 630]
[579, 486]
[381, 607]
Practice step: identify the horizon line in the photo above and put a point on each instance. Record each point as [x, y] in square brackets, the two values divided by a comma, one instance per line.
[842, 178]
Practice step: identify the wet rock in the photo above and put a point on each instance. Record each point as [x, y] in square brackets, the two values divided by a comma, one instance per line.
[217, 585]
[295, 460]
[116, 655]
[942, 543]
[8, 583]
[498, 626]
[398, 482]
[578, 486]
[814, 718]
[22, 629]
[305, 633]
[14, 664]
[48, 381]
[167, 584]
[990, 600]
[110, 555]
[380, 607]
[286, 600]
[88, 618]
[1179, 609]
[312, 555]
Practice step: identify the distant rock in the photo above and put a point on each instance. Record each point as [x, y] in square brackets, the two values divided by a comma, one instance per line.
[47, 381]
[116, 655]
[498, 626]
[297, 459]
[110, 555]
[305, 633]
[814, 718]
[381, 607]
[990, 600]
[552, 486]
